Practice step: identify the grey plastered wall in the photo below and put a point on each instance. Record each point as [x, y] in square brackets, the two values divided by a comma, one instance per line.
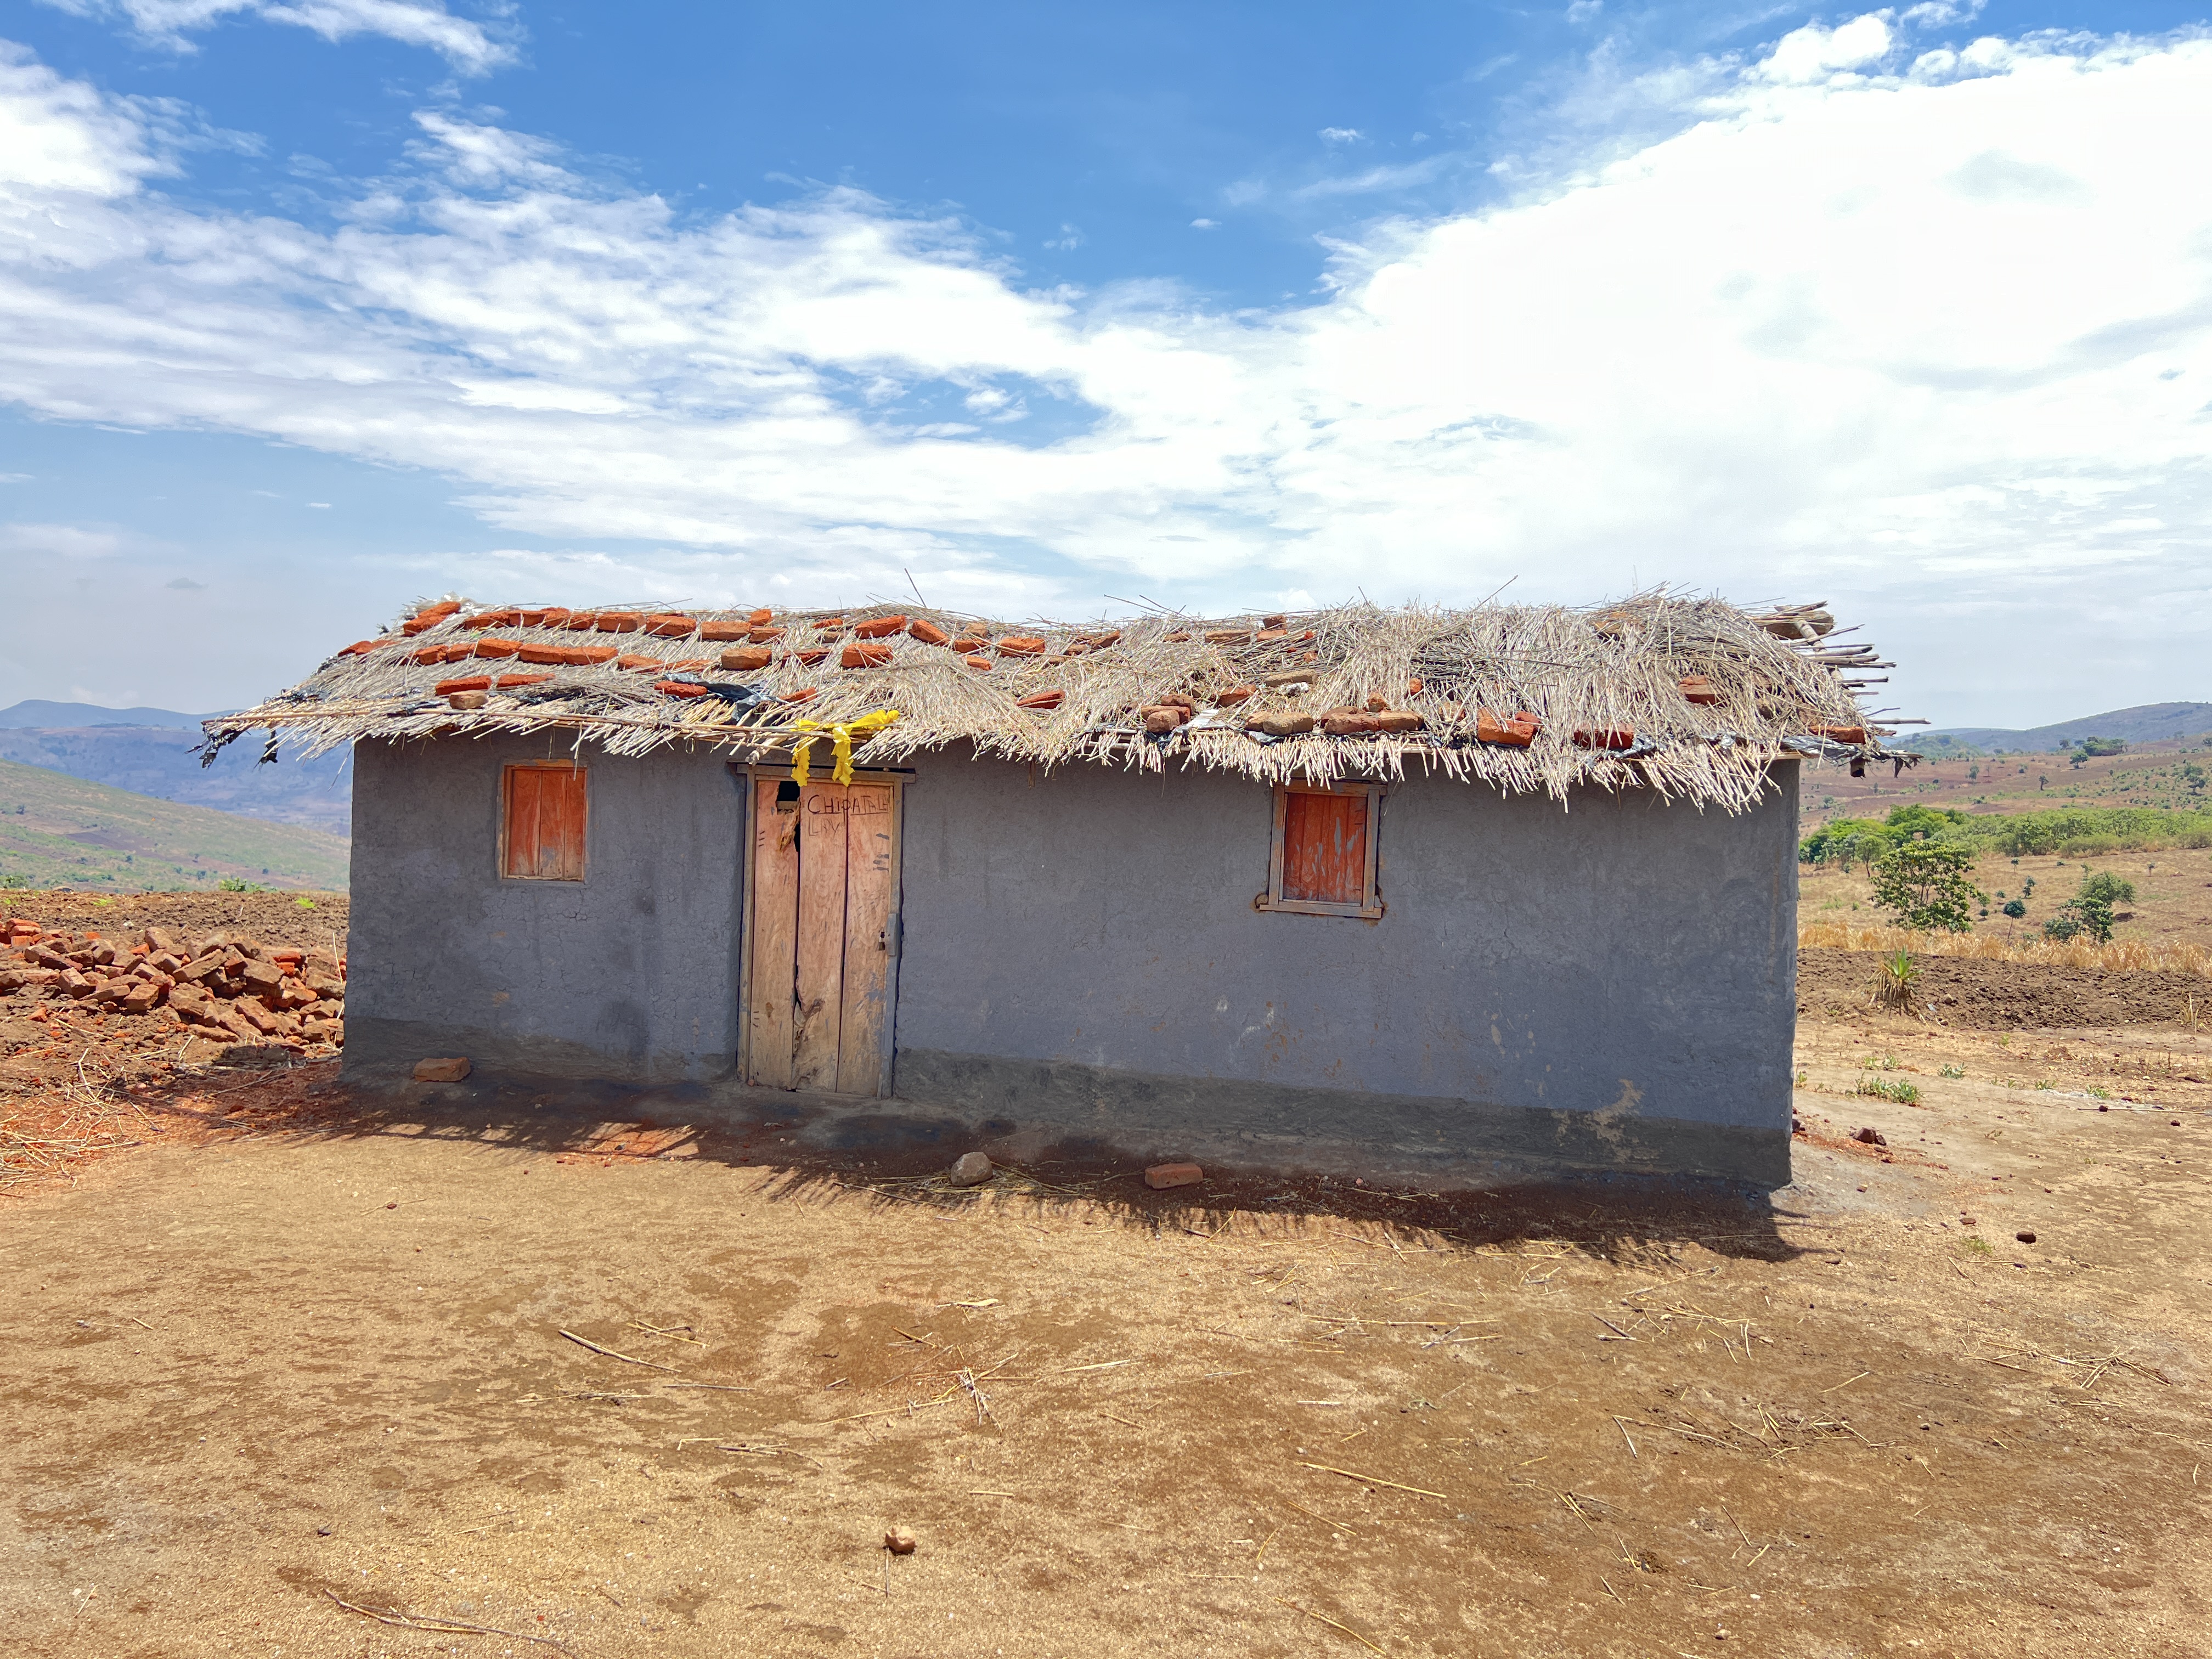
[628, 974]
[1609, 986]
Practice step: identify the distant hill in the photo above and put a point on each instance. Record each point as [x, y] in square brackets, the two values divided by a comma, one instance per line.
[2154, 722]
[157, 755]
[37, 712]
[57, 830]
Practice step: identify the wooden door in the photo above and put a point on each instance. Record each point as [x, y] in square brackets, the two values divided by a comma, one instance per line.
[825, 888]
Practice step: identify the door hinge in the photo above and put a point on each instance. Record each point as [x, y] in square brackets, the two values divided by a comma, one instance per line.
[893, 936]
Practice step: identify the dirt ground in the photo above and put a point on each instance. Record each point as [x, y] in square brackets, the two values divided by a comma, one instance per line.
[2146, 774]
[297, 1351]
[310, 920]
[1968, 991]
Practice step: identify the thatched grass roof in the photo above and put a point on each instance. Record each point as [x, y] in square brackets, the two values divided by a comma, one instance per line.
[1690, 697]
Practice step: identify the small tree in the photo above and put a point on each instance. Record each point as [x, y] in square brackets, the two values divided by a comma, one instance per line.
[2090, 911]
[2112, 889]
[1927, 886]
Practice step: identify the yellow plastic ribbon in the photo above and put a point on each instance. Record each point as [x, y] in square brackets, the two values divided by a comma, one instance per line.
[841, 736]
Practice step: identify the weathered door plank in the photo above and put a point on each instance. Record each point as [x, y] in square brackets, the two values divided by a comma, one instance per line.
[821, 935]
[870, 891]
[772, 977]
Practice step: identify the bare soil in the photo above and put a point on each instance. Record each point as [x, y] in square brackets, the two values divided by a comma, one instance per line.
[2008, 995]
[304, 922]
[300, 1349]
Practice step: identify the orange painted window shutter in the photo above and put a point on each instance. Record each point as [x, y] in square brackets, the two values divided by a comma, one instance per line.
[1325, 847]
[542, 823]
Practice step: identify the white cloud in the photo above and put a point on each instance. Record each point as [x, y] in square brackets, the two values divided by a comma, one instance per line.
[1206, 224]
[1377, 179]
[62, 136]
[1929, 337]
[467, 45]
[1341, 134]
[1814, 54]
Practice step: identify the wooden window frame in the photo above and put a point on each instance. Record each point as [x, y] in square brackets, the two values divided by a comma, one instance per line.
[1370, 908]
[506, 796]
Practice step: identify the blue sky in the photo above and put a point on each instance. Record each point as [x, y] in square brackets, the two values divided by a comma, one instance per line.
[311, 307]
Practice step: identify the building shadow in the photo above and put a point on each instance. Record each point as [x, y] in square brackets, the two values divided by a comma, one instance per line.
[897, 1154]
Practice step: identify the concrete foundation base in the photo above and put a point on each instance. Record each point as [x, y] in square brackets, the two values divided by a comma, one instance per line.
[1018, 1112]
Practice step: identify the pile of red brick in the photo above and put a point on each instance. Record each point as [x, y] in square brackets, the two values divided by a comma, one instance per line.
[225, 982]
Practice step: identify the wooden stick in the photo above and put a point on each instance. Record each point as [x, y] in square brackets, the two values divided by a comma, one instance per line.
[1333, 1625]
[1623, 1427]
[667, 1330]
[1372, 1480]
[586, 1341]
[410, 1621]
[1738, 1525]
[907, 1410]
[724, 1387]
[1316, 1515]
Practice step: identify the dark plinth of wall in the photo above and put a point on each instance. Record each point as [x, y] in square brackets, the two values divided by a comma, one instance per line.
[1610, 987]
[628, 974]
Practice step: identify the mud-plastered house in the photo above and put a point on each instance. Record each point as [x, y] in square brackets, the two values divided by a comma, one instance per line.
[1445, 894]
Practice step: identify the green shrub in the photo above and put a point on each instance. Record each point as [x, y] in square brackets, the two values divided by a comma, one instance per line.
[1926, 886]
[2090, 911]
[1907, 821]
[1900, 1092]
[2110, 888]
[1844, 842]
[2015, 909]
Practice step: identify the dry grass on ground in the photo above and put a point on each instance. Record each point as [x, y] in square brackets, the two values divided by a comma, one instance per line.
[2168, 926]
[316, 1356]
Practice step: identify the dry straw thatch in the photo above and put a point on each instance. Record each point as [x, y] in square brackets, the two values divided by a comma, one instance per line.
[1693, 698]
